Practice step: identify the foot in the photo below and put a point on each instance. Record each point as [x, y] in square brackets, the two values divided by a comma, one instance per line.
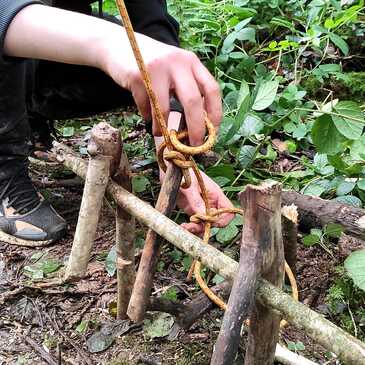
[25, 214]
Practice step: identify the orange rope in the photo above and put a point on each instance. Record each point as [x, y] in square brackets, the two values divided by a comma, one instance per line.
[181, 156]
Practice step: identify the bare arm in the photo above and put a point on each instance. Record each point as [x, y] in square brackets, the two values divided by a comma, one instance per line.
[42, 32]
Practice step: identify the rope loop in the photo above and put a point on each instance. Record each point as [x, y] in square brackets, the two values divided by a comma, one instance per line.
[187, 150]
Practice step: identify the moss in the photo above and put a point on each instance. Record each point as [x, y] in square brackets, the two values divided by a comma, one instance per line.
[345, 86]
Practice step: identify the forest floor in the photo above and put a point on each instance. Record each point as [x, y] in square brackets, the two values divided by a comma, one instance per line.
[72, 324]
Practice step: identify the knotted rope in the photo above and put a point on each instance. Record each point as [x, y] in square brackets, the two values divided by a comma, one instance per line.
[173, 150]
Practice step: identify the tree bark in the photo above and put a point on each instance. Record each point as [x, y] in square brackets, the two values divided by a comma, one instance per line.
[349, 349]
[316, 212]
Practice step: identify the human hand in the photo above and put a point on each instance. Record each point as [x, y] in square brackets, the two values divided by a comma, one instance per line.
[191, 202]
[172, 71]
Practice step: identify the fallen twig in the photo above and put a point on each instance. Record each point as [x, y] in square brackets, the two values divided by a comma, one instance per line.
[40, 350]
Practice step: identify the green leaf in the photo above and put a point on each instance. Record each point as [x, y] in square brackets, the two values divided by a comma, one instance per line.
[111, 261]
[333, 230]
[361, 184]
[221, 180]
[357, 149]
[187, 261]
[225, 170]
[246, 155]
[82, 327]
[175, 255]
[310, 240]
[350, 200]
[351, 129]
[340, 43]
[170, 294]
[265, 95]
[355, 267]
[227, 234]
[140, 183]
[68, 131]
[243, 93]
[345, 187]
[325, 136]
[218, 279]
[159, 326]
[314, 189]
[252, 125]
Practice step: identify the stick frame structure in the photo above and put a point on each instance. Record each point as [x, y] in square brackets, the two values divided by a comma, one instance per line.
[348, 349]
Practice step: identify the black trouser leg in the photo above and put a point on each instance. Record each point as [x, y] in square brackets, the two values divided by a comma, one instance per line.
[43, 90]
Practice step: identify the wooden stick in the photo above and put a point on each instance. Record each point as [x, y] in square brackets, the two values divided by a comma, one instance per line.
[349, 349]
[92, 198]
[151, 252]
[289, 221]
[263, 217]
[316, 212]
[261, 251]
[125, 237]
[104, 148]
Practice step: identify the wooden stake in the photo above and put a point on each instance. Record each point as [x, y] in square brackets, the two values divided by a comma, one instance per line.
[151, 252]
[348, 349]
[263, 217]
[261, 252]
[125, 237]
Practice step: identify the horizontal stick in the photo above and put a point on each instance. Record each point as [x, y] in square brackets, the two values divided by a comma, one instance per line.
[316, 212]
[349, 349]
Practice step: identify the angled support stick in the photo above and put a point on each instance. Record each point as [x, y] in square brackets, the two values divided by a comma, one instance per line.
[95, 184]
[147, 267]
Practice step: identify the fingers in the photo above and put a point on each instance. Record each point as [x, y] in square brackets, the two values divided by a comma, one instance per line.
[142, 102]
[195, 228]
[188, 93]
[211, 92]
[161, 88]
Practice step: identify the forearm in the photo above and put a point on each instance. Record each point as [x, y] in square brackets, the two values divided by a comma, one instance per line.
[43, 32]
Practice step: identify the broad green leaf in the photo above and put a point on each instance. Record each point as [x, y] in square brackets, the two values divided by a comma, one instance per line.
[225, 170]
[243, 93]
[246, 155]
[222, 180]
[140, 183]
[227, 234]
[351, 122]
[68, 131]
[350, 200]
[357, 149]
[325, 136]
[355, 267]
[333, 230]
[170, 294]
[310, 240]
[340, 43]
[314, 189]
[111, 261]
[265, 95]
[159, 326]
[217, 279]
[252, 125]
[361, 184]
[345, 187]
